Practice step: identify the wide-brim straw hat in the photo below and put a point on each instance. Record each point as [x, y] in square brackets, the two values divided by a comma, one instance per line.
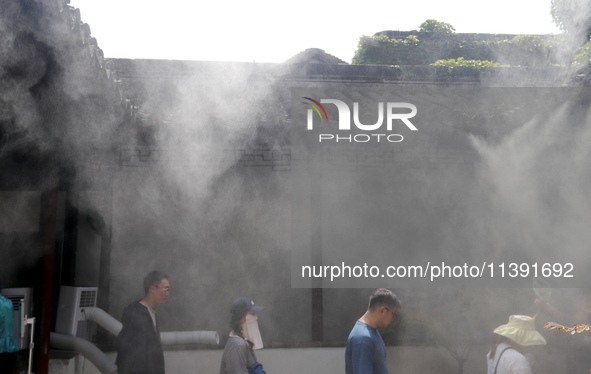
[522, 330]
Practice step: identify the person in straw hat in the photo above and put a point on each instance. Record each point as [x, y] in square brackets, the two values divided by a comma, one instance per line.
[505, 357]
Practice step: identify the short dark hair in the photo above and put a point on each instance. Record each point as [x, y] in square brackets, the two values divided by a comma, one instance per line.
[153, 279]
[383, 297]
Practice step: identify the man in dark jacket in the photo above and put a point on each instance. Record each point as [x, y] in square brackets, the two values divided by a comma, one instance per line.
[139, 350]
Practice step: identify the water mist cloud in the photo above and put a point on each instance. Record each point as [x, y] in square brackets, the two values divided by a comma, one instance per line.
[195, 208]
[535, 184]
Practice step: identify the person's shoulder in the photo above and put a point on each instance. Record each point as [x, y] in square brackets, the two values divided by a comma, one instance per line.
[510, 351]
[515, 359]
[515, 356]
[235, 342]
[361, 328]
[132, 305]
[6, 306]
[360, 334]
[135, 307]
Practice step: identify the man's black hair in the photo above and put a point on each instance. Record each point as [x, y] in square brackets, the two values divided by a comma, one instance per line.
[153, 279]
[383, 297]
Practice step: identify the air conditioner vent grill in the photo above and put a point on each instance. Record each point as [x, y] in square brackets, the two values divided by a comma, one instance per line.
[72, 302]
[87, 298]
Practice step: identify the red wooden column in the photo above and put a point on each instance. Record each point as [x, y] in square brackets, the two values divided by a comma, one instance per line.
[49, 214]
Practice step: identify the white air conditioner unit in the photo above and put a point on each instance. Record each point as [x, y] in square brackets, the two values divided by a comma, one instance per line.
[22, 302]
[70, 312]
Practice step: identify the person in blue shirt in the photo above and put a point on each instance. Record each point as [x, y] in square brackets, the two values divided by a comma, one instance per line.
[366, 351]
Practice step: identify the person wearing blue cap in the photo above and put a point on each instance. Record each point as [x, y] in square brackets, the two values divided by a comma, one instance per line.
[245, 337]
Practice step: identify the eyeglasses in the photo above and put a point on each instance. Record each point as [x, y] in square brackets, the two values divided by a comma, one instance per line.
[166, 289]
[393, 313]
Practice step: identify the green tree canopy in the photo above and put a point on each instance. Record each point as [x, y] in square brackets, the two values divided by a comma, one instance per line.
[573, 17]
[437, 27]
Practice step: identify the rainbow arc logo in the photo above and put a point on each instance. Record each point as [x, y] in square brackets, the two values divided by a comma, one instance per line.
[318, 105]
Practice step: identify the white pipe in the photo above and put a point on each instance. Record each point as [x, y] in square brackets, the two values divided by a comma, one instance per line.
[87, 349]
[189, 337]
[103, 319]
[29, 321]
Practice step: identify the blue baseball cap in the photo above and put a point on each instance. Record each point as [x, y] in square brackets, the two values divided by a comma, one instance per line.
[243, 305]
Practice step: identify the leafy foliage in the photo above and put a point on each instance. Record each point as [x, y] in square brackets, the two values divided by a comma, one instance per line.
[425, 48]
[437, 27]
[451, 63]
[572, 16]
[583, 58]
